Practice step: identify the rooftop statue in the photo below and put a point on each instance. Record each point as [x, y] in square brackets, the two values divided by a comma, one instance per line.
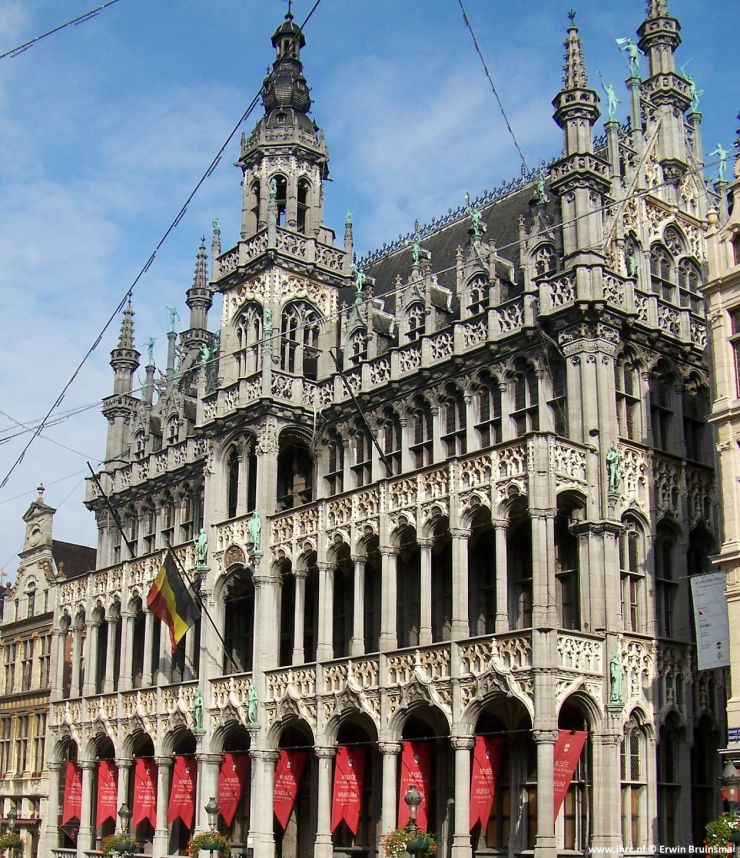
[273, 188]
[612, 100]
[348, 218]
[216, 224]
[627, 46]
[360, 278]
[722, 154]
[174, 317]
[150, 350]
[541, 192]
[696, 94]
[205, 354]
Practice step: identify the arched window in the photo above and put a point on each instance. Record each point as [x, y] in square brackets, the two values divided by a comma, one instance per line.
[669, 787]
[173, 430]
[139, 445]
[295, 471]
[576, 810]
[701, 545]
[168, 520]
[281, 197]
[674, 241]
[519, 566]
[482, 574]
[704, 776]
[362, 465]
[689, 281]
[416, 320]
[137, 643]
[454, 419]
[343, 601]
[335, 467]
[566, 567]
[255, 200]
[662, 273]
[248, 339]
[304, 189]
[358, 347]
[391, 440]
[634, 786]
[661, 407]
[627, 390]
[695, 412]
[149, 521]
[421, 448]
[666, 579]
[524, 399]
[232, 481]
[545, 260]
[241, 478]
[132, 527]
[489, 411]
[239, 623]
[478, 295]
[632, 574]
[557, 402]
[299, 330]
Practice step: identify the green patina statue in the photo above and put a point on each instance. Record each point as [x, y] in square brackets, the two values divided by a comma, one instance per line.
[541, 192]
[216, 224]
[614, 468]
[696, 93]
[150, 351]
[627, 46]
[255, 528]
[268, 322]
[201, 547]
[198, 710]
[273, 188]
[616, 674]
[174, 317]
[205, 354]
[360, 278]
[612, 100]
[722, 153]
[252, 704]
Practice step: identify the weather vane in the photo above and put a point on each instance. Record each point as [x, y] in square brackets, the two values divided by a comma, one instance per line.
[290, 6]
[572, 16]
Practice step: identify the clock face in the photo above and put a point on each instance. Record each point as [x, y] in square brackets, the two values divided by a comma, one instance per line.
[34, 537]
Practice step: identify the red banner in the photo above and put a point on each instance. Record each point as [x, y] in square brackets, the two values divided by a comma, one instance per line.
[72, 807]
[232, 777]
[145, 792]
[486, 761]
[288, 773]
[568, 747]
[107, 805]
[416, 769]
[346, 802]
[182, 794]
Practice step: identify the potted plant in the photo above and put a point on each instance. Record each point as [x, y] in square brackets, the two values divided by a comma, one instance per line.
[210, 841]
[723, 831]
[400, 841]
[10, 840]
[118, 844]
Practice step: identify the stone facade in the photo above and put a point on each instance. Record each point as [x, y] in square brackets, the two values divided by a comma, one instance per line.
[479, 521]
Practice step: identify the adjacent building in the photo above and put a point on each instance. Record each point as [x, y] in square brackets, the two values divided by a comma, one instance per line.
[454, 491]
[26, 634]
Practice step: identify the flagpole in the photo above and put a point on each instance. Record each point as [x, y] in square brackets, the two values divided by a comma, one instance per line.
[176, 561]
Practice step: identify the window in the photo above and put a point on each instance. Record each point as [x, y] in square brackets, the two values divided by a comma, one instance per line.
[576, 811]
[295, 471]
[519, 566]
[421, 448]
[335, 464]
[454, 422]
[632, 576]
[689, 281]
[566, 571]
[416, 321]
[478, 296]
[45, 661]
[299, 330]
[557, 400]
[115, 547]
[669, 789]
[362, 449]
[22, 744]
[9, 667]
[5, 732]
[239, 623]
[132, 526]
[139, 446]
[149, 525]
[524, 400]
[281, 196]
[39, 738]
[232, 481]
[391, 441]
[661, 408]
[358, 347]
[545, 261]
[186, 518]
[633, 775]
[662, 274]
[302, 211]
[695, 409]
[666, 584]
[173, 430]
[168, 522]
[489, 412]
[735, 341]
[248, 337]
[627, 387]
[26, 664]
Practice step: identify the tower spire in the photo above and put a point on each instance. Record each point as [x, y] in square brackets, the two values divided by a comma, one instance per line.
[124, 359]
[574, 69]
[199, 299]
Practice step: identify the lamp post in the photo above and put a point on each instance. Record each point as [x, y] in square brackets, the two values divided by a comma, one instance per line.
[12, 819]
[124, 814]
[731, 783]
[212, 809]
[416, 843]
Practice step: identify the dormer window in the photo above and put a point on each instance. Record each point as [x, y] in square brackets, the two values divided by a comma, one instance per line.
[280, 118]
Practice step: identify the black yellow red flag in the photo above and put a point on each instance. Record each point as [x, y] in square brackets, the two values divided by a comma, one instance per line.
[171, 601]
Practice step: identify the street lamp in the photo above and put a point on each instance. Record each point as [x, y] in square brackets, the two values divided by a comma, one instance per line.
[731, 783]
[124, 814]
[416, 842]
[12, 818]
[212, 810]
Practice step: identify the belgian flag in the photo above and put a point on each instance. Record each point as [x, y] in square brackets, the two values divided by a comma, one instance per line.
[170, 600]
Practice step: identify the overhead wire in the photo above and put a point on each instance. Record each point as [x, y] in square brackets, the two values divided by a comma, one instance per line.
[80, 19]
[129, 292]
[525, 169]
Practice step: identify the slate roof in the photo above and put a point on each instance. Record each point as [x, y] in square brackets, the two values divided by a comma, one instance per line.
[72, 559]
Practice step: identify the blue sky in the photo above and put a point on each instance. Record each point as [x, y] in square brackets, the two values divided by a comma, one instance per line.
[106, 126]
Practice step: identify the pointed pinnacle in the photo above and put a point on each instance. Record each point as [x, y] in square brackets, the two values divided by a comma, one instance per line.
[200, 277]
[574, 70]
[126, 337]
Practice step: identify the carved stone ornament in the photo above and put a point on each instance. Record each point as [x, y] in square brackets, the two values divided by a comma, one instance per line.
[234, 556]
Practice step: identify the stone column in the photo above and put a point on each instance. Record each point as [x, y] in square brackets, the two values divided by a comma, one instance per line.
[502, 577]
[206, 786]
[74, 690]
[108, 683]
[162, 831]
[125, 680]
[60, 641]
[461, 847]
[146, 673]
[390, 752]
[388, 565]
[425, 588]
[325, 643]
[357, 643]
[299, 655]
[260, 817]
[86, 833]
[544, 605]
[52, 817]
[460, 625]
[124, 778]
[91, 659]
[545, 843]
[323, 820]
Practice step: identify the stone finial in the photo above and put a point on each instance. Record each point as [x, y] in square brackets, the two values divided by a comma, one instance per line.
[126, 337]
[40, 489]
[574, 69]
[657, 9]
[200, 276]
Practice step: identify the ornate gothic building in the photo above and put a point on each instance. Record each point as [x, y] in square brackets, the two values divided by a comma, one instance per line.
[455, 490]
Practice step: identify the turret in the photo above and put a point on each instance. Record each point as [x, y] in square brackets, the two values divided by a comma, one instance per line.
[286, 152]
[574, 177]
[119, 407]
[199, 299]
[124, 359]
